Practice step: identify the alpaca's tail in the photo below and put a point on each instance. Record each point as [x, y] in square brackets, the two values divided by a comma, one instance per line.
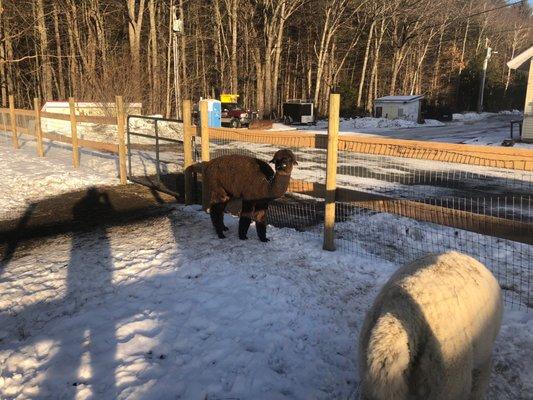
[198, 167]
[387, 360]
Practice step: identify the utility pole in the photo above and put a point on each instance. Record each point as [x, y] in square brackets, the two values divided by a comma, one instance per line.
[177, 29]
[483, 77]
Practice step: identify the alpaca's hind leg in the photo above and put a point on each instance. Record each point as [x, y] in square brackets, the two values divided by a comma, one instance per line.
[217, 218]
[246, 219]
[224, 227]
[480, 381]
[260, 221]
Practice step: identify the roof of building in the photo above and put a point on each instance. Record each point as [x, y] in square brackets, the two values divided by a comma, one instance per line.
[400, 99]
[521, 59]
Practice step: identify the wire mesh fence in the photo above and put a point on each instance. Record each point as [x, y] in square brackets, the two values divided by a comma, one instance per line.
[420, 206]
[392, 206]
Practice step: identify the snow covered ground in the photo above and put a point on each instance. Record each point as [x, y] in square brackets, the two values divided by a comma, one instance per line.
[160, 309]
[26, 181]
[485, 129]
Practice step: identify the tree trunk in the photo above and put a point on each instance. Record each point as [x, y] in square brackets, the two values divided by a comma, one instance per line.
[154, 59]
[72, 60]
[46, 74]
[365, 61]
[135, 20]
[168, 105]
[59, 53]
[183, 57]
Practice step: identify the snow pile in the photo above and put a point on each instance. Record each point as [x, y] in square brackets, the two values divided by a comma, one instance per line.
[349, 124]
[472, 116]
[147, 126]
[368, 122]
[516, 113]
[277, 126]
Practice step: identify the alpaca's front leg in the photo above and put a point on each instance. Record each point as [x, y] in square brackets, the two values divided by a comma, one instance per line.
[260, 222]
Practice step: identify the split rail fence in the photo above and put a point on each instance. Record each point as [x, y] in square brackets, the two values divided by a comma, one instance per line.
[16, 120]
[375, 196]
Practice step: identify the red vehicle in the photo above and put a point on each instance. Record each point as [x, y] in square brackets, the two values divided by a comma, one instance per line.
[235, 116]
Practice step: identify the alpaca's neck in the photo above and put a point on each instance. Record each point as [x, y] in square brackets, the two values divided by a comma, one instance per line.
[280, 184]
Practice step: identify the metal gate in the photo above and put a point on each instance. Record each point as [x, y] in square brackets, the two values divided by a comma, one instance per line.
[155, 153]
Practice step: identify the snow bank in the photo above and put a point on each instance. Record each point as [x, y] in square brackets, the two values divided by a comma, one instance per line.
[349, 124]
[472, 116]
[368, 122]
[516, 113]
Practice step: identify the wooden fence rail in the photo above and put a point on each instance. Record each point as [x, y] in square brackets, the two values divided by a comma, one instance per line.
[12, 114]
[484, 156]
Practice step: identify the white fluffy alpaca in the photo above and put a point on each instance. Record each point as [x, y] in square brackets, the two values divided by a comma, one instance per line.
[430, 332]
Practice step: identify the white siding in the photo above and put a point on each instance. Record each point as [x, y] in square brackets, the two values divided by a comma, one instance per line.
[527, 127]
[391, 109]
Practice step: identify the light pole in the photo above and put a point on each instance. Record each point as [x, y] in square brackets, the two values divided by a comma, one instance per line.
[483, 77]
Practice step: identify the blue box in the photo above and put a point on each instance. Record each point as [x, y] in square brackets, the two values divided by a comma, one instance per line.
[214, 113]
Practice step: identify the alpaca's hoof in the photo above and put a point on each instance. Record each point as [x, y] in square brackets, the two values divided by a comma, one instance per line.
[225, 228]
[243, 237]
[221, 236]
[264, 240]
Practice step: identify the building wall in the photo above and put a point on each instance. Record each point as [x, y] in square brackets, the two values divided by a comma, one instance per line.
[527, 127]
[401, 110]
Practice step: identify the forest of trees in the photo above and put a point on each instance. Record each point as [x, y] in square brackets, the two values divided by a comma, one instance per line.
[264, 50]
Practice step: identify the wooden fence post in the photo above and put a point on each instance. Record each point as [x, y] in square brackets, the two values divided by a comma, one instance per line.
[38, 129]
[74, 133]
[187, 150]
[13, 119]
[121, 119]
[331, 172]
[204, 135]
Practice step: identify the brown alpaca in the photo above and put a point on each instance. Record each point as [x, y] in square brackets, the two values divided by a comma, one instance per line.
[250, 179]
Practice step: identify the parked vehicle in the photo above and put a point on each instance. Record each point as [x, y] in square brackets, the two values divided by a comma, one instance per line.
[298, 112]
[233, 114]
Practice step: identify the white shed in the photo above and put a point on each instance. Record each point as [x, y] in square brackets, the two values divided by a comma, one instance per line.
[524, 61]
[404, 107]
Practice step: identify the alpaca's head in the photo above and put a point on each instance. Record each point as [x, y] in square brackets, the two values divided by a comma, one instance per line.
[284, 160]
